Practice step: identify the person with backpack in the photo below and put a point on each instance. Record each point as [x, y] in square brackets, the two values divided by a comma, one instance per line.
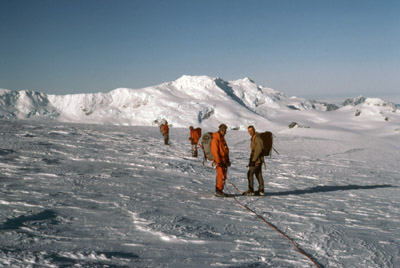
[195, 135]
[165, 132]
[220, 152]
[255, 163]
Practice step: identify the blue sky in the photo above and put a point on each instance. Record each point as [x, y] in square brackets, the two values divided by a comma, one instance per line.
[306, 48]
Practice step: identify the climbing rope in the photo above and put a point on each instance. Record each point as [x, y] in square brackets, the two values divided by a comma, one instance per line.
[270, 224]
[264, 220]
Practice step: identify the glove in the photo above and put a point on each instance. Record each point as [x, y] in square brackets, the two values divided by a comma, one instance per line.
[252, 164]
[221, 165]
[229, 163]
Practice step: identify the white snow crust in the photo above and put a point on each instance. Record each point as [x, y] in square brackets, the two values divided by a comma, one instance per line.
[87, 182]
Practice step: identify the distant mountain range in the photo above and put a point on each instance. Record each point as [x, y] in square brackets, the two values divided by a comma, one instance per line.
[189, 100]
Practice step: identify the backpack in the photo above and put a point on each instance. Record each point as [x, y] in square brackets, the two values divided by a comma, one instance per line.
[197, 135]
[205, 145]
[267, 138]
[161, 125]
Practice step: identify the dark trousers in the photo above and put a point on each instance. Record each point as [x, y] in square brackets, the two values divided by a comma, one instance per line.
[256, 170]
[166, 139]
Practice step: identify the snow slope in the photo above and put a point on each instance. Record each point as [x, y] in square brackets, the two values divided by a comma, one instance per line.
[109, 194]
[76, 195]
[190, 100]
[25, 104]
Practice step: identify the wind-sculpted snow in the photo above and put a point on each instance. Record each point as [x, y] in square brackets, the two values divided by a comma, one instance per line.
[75, 195]
[186, 101]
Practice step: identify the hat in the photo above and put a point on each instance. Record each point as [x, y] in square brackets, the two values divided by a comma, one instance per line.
[191, 127]
[222, 127]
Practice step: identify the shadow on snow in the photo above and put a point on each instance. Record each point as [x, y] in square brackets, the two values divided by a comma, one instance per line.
[45, 215]
[323, 189]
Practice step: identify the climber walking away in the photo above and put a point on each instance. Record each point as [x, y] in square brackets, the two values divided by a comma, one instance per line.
[165, 132]
[195, 135]
[220, 152]
[255, 163]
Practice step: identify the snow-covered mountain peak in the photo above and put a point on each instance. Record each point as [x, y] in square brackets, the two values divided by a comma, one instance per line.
[248, 79]
[362, 101]
[375, 101]
[379, 105]
[354, 101]
[245, 80]
[25, 104]
[245, 84]
[188, 81]
[190, 100]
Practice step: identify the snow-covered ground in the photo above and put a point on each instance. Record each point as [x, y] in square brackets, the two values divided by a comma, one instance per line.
[110, 194]
[76, 195]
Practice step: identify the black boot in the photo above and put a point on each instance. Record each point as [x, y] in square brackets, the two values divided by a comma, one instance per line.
[261, 193]
[248, 193]
[219, 193]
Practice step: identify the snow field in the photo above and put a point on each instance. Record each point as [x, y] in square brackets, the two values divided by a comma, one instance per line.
[91, 195]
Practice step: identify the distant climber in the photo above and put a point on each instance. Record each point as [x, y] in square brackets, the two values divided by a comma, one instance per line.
[255, 163]
[195, 134]
[220, 152]
[165, 132]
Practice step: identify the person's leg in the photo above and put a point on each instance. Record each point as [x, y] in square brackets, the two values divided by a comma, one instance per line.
[195, 150]
[258, 172]
[250, 178]
[220, 179]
